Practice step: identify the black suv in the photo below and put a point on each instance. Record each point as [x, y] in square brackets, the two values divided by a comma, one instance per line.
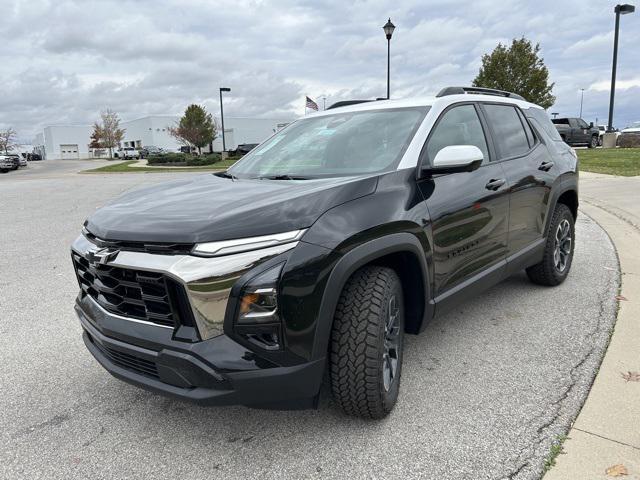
[325, 245]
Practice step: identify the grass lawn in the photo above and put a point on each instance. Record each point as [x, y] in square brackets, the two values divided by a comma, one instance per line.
[613, 161]
[123, 167]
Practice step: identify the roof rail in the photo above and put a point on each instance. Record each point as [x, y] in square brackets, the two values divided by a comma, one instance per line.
[344, 103]
[479, 90]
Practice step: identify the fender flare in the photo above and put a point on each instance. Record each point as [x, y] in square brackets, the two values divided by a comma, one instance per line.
[352, 261]
[565, 186]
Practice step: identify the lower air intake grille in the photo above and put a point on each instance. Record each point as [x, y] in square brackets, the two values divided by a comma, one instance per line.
[126, 292]
[128, 361]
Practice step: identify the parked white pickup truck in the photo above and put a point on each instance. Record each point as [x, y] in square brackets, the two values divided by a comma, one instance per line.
[126, 152]
[6, 163]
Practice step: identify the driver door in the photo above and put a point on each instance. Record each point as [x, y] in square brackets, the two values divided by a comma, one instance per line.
[468, 211]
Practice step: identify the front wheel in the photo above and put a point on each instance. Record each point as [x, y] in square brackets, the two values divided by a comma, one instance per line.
[594, 142]
[365, 358]
[558, 250]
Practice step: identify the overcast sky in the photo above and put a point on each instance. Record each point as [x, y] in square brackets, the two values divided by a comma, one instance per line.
[65, 61]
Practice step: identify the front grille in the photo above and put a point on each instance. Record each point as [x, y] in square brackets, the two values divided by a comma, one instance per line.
[128, 361]
[131, 293]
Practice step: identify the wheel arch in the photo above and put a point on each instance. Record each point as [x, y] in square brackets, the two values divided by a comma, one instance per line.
[405, 254]
[569, 197]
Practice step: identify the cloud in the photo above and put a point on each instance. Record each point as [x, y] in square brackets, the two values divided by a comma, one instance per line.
[69, 59]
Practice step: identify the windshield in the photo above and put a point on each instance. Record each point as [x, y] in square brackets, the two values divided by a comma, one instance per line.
[342, 144]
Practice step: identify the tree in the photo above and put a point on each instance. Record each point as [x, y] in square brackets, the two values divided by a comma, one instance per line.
[96, 137]
[517, 69]
[195, 128]
[7, 139]
[109, 133]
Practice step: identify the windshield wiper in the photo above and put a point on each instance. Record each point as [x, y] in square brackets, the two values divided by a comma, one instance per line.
[284, 177]
[226, 175]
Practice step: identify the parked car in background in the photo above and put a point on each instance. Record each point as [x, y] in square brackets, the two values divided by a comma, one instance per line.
[23, 160]
[6, 163]
[151, 150]
[633, 128]
[244, 148]
[15, 159]
[34, 157]
[188, 149]
[602, 129]
[321, 249]
[126, 152]
[576, 132]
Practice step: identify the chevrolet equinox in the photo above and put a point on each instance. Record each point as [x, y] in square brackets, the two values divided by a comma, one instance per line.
[314, 255]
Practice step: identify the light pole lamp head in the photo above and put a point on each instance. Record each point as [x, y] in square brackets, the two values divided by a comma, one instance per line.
[388, 29]
[225, 89]
[624, 9]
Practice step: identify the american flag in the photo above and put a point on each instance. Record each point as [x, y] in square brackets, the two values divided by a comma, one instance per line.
[311, 104]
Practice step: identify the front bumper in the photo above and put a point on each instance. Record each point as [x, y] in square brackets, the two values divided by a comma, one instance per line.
[218, 371]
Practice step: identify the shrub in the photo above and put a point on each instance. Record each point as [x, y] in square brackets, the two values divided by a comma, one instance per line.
[183, 159]
[629, 140]
[167, 158]
[203, 160]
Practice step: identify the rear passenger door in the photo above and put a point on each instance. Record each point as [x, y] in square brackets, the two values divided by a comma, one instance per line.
[469, 210]
[529, 171]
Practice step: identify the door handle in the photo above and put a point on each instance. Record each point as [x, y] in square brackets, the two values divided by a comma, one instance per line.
[545, 166]
[495, 184]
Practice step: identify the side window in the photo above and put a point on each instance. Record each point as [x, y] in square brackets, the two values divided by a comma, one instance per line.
[582, 124]
[527, 129]
[542, 119]
[458, 126]
[509, 134]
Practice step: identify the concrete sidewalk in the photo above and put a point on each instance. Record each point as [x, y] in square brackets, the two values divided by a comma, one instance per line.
[605, 437]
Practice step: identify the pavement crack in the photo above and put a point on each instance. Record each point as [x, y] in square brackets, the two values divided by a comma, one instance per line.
[54, 421]
[528, 455]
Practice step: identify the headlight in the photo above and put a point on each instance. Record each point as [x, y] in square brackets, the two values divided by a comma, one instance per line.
[259, 299]
[258, 319]
[226, 247]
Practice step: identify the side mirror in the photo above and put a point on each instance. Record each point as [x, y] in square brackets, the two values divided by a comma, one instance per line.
[591, 125]
[454, 159]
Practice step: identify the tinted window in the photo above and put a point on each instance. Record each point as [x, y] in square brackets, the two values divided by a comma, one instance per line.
[527, 129]
[509, 132]
[582, 124]
[561, 121]
[458, 126]
[542, 120]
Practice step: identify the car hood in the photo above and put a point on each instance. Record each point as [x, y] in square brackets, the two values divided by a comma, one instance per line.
[211, 208]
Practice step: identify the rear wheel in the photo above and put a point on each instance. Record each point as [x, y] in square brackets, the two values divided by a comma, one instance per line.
[365, 358]
[558, 251]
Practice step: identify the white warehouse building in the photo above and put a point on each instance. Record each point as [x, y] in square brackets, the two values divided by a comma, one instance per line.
[72, 141]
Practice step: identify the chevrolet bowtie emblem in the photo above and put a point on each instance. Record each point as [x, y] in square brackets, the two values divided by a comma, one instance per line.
[101, 256]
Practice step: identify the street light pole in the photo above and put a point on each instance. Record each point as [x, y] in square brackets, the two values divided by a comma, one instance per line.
[619, 10]
[223, 89]
[388, 31]
[581, 101]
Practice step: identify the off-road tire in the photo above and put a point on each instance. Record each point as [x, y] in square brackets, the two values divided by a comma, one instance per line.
[546, 272]
[594, 142]
[358, 339]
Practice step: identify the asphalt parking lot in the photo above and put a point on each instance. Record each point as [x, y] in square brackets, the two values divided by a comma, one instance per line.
[485, 390]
